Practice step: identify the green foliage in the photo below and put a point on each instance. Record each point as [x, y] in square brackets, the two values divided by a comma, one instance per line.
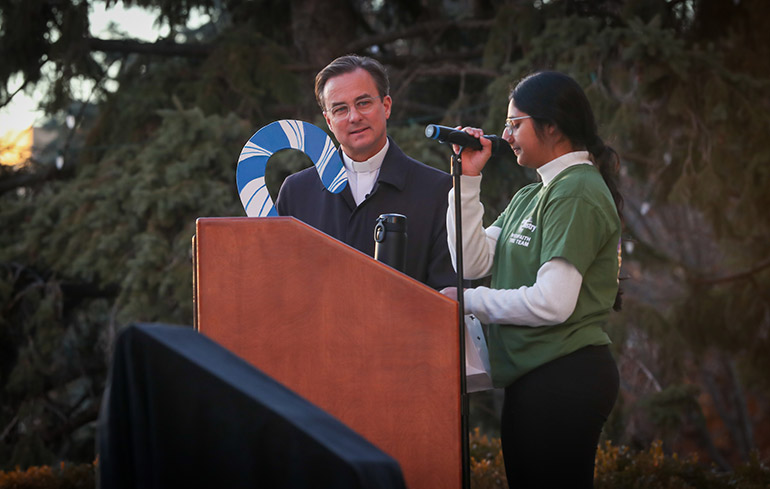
[256, 79]
[129, 221]
[50, 371]
[34, 31]
[119, 237]
[670, 408]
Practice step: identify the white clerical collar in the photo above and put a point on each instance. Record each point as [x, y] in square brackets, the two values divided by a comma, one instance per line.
[372, 164]
[549, 171]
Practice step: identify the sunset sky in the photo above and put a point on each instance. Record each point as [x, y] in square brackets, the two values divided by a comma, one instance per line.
[15, 146]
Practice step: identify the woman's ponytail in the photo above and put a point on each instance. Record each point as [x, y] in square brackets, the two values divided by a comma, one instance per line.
[608, 163]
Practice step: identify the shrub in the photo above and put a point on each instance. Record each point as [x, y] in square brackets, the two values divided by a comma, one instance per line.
[619, 467]
[65, 476]
[486, 462]
[622, 468]
[616, 468]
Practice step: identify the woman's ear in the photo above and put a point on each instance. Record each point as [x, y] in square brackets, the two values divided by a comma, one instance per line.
[556, 138]
[552, 133]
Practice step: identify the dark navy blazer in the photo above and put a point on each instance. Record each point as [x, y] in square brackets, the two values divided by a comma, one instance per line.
[404, 186]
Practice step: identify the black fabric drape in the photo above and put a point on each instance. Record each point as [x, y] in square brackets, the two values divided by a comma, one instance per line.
[181, 411]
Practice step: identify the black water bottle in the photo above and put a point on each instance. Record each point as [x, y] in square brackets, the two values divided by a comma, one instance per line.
[390, 240]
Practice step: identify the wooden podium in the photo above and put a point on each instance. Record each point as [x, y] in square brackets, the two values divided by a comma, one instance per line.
[369, 345]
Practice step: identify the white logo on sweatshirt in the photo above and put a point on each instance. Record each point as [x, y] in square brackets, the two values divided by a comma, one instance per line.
[527, 224]
[520, 239]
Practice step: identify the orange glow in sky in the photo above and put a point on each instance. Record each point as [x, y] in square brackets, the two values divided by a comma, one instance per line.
[15, 146]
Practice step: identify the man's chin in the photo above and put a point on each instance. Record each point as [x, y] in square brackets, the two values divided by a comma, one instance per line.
[359, 151]
[360, 142]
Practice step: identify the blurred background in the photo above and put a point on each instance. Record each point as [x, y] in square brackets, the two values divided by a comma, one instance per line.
[122, 123]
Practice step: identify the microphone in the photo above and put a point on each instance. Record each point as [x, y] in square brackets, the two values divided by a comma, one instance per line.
[445, 134]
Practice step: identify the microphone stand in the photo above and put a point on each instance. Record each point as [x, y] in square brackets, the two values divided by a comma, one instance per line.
[457, 171]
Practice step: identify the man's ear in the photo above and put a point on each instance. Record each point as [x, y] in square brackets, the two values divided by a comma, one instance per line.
[387, 102]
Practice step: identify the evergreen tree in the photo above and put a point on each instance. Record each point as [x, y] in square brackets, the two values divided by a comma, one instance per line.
[680, 89]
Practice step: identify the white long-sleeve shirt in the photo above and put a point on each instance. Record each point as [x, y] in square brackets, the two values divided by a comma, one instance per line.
[553, 296]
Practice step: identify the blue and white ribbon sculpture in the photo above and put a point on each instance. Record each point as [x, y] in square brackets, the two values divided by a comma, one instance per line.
[285, 134]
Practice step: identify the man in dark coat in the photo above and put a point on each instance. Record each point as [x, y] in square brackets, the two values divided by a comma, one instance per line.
[353, 94]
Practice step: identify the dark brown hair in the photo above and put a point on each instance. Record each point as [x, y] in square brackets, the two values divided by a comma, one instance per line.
[349, 64]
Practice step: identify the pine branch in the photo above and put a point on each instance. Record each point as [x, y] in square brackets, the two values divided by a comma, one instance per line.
[409, 60]
[158, 48]
[27, 179]
[10, 96]
[457, 70]
[73, 423]
[736, 276]
[8, 428]
[417, 30]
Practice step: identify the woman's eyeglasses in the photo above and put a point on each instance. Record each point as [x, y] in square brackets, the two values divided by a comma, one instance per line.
[510, 120]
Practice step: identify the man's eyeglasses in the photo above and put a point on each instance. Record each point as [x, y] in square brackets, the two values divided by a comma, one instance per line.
[510, 120]
[363, 106]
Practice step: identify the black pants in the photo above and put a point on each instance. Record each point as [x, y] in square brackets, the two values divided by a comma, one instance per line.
[552, 418]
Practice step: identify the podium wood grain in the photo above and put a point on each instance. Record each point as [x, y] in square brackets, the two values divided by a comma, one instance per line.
[371, 346]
